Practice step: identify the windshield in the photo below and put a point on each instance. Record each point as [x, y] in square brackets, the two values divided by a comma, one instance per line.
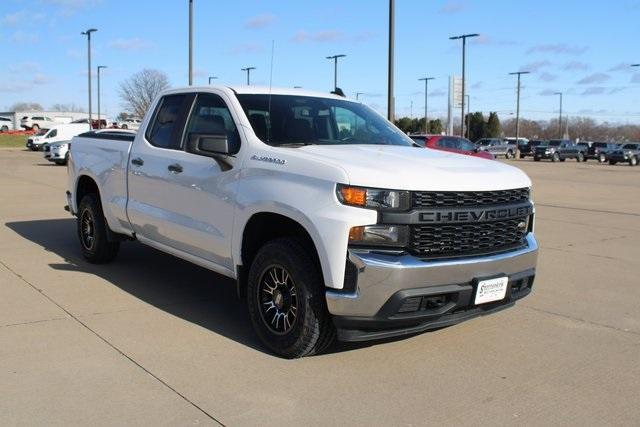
[554, 143]
[291, 119]
[630, 146]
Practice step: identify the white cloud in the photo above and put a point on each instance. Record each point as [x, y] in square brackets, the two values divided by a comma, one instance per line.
[451, 7]
[558, 48]
[246, 48]
[24, 37]
[260, 21]
[318, 36]
[594, 78]
[535, 66]
[132, 45]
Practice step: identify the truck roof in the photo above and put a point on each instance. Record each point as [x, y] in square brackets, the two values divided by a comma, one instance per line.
[260, 90]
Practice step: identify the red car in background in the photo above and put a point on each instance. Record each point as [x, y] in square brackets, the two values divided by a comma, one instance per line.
[452, 144]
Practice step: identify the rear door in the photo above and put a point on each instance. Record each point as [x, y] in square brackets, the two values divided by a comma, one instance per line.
[179, 199]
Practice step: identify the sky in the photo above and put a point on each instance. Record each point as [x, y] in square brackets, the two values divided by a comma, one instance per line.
[583, 49]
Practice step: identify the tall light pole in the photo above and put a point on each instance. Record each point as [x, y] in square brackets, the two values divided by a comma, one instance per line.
[518, 73]
[248, 70]
[468, 116]
[212, 78]
[88, 34]
[190, 42]
[464, 38]
[100, 67]
[426, 99]
[560, 116]
[390, 98]
[358, 95]
[335, 69]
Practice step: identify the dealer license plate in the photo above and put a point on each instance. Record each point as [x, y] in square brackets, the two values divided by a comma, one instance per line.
[491, 290]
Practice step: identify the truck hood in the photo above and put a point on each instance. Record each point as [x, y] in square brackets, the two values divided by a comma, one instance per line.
[417, 169]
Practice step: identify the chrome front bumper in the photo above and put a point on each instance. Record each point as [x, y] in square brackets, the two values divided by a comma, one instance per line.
[382, 276]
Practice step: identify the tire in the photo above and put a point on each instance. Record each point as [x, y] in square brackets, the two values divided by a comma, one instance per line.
[124, 127]
[536, 159]
[4, 129]
[562, 159]
[612, 162]
[285, 266]
[35, 127]
[580, 158]
[633, 161]
[522, 156]
[509, 154]
[92, 232]
[602, 158]
[555, 157]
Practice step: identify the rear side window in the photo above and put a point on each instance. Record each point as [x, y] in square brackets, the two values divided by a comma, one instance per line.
[168, 122]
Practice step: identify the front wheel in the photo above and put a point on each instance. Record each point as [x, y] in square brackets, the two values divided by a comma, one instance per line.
[602, 158]
[555, 157]
[509, 155]
[580, 158]
[612, 162]
[286, 301]
[4, 129]
[633, 161]
[35, 127]
[92, 232]
[536, 159]
[125, 127]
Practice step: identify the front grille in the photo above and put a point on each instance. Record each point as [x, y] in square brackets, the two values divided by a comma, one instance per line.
[455, 240]
[428, 199]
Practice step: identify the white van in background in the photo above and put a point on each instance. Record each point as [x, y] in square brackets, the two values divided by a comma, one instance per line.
[55, 142]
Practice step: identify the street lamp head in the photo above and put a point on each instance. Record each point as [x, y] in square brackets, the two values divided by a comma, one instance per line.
[248, 69]
[89, 31]
[519, 72]
[557, 93]
[464, 36]
[336, 56]
[101, 67]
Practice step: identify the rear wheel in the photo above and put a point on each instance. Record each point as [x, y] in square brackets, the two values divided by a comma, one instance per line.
[555, 157]
[285, 297]
[4, 128]
[580, 158]
[509, 154]
[125, 127]
[612, 162]
[602, 158]
[92, 232]
[35, 127]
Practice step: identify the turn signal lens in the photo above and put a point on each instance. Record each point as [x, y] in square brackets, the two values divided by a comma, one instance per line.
[353, 195]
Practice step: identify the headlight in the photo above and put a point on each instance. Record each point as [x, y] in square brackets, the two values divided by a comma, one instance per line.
[379, 235]
[373, 198]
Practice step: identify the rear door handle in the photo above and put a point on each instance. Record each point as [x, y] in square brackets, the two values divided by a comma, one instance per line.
[175, 168]
[137, 161]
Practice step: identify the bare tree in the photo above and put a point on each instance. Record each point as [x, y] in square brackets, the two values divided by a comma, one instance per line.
[26, 106]
[138, 91]
[67, 107]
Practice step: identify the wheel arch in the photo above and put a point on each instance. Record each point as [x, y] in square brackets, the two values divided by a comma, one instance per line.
[264, 226]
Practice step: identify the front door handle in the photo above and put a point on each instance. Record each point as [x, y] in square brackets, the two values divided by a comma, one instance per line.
[137, 161]
[175, 168]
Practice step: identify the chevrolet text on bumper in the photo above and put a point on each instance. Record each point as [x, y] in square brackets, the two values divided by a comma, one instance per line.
[329, 219]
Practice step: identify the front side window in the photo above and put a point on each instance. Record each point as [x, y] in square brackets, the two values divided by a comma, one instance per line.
[465, 144]
[166, 130]
[289, 119]
[210, 116]
[52, 134]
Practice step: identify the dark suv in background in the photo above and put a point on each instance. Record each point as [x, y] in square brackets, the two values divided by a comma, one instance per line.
[527, 148]
[559, 150]
[600, 151]
[629, 153]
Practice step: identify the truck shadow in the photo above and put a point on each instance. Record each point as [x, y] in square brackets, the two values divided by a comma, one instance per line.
[177, 287]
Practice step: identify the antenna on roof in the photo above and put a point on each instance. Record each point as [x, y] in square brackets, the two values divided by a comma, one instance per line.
[270, 85]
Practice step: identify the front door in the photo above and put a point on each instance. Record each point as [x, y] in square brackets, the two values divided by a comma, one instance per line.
[179, 199]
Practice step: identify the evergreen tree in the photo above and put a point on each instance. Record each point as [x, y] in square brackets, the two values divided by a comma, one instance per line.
[493, 126]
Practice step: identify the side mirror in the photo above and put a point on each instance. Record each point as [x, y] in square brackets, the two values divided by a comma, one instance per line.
[208, 145]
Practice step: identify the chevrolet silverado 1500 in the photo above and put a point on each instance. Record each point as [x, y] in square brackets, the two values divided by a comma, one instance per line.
[332, 222]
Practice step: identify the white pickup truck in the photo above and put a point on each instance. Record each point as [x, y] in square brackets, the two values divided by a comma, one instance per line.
[331, 220]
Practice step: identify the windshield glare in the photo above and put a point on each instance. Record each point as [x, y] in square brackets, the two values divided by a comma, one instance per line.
[291, 119]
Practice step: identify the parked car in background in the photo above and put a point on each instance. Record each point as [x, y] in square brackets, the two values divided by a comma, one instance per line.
[498, 147]
[600, 151]
[558, 150]
[629, 153]
[37, 122]
[133, 124]
[527, 149]
[6, 124]
[55, 134]
[95, 123]
[452, 144]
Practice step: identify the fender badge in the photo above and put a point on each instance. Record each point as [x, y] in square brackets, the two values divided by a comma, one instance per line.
[268, 159]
